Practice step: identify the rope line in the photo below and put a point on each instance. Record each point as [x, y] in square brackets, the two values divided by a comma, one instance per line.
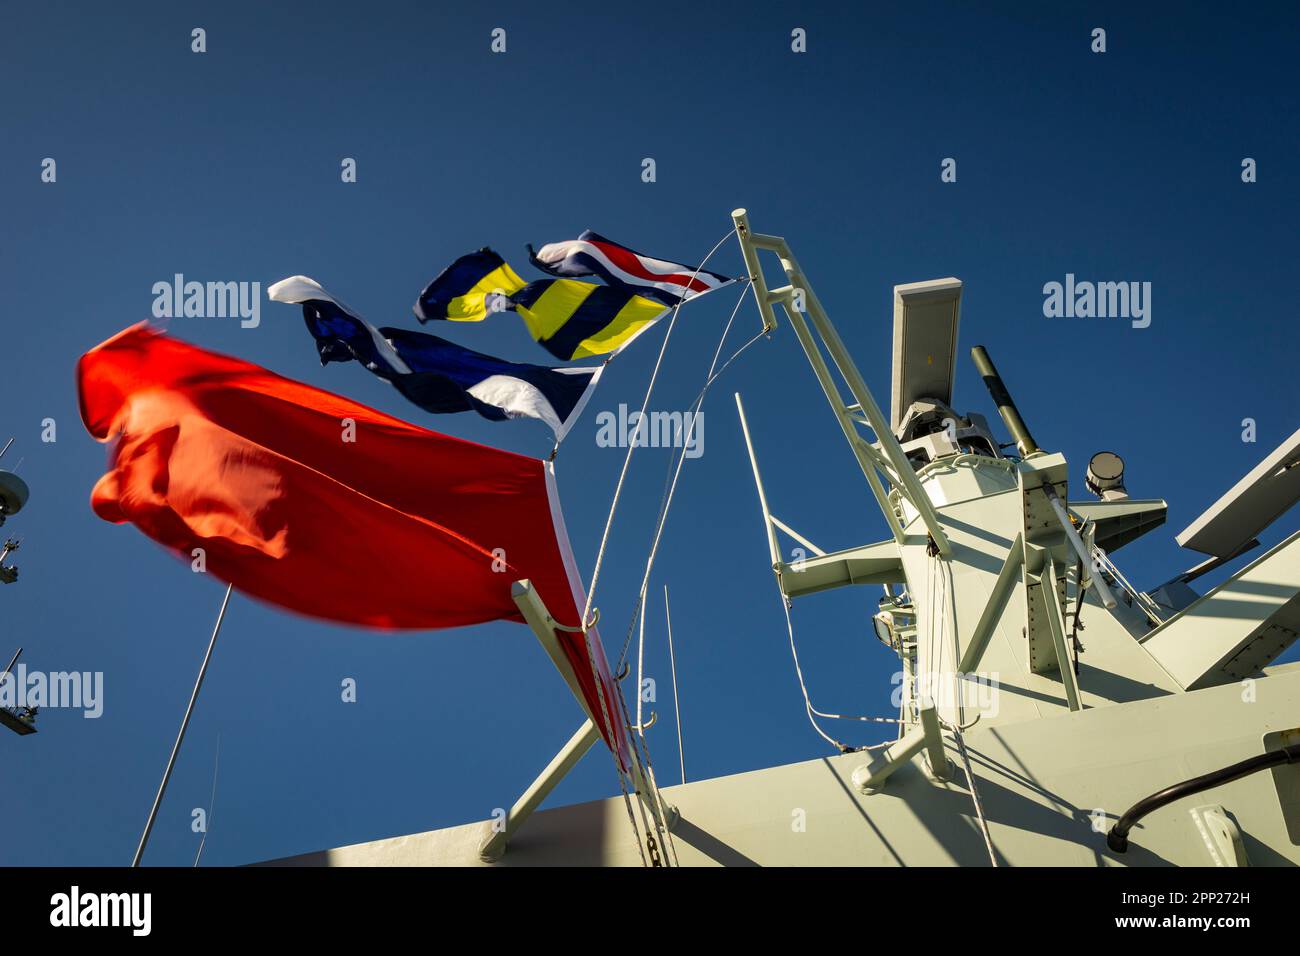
[675, 464]
[844, 748]
[587, 622]
[212, 803]
[627, 460]
[618, 760]
[939, 621]
[663, 811]
[640, 669]
[677, 706]
[641, 747]
[974, 791]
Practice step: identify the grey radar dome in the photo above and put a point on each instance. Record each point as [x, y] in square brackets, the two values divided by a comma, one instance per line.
[13, 493]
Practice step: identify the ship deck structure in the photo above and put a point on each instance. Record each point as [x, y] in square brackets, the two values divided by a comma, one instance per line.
[1050, 713]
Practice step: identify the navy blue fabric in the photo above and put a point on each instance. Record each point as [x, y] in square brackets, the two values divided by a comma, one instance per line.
[454, 281]
[441, 372]
[596, 311]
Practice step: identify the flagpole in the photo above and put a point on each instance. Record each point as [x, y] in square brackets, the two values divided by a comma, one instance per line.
[189, 710]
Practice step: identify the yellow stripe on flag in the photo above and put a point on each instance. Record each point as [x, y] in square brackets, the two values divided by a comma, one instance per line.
[630, 321]
[554, 307]
[472, 306]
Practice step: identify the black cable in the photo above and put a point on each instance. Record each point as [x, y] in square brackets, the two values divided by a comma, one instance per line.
[1078, 606]
[1117, 838]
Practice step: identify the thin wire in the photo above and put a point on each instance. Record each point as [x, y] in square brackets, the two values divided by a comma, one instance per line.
[627, 802]
[640, 666]
[845, 748]
[635, 755]
[661, 818]
[180, 736]
[586, 622]
[939, 599]
[663, 811]
[943, 600]
[627, 460]
[677, 707]
[646, 824]
[1108, 566]
[939, 622]
[905, 693]
[931, 589]
[974, 791]
[675, 468]
[618, 757]
[212, 802]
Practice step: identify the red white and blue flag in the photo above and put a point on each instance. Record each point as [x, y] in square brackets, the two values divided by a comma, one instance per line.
[593, 255]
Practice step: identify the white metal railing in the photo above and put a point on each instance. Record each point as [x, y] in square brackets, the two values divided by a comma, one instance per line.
[803, 308]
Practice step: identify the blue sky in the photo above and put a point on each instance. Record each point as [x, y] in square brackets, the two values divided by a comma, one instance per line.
[225, 166]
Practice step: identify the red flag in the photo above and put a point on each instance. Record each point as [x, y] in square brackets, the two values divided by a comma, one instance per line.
[322, 505]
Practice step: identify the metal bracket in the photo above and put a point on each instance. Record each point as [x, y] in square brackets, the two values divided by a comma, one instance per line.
[1056, 627]
[1007, 579]
[871, 776]
[543, 625]
[494, 847]
[902, 476]
[1221, 835]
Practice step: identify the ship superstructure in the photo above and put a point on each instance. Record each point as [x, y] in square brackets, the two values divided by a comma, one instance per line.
[1051, 713]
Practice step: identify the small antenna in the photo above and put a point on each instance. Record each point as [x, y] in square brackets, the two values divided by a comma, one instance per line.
[677, 707]
[11, 664]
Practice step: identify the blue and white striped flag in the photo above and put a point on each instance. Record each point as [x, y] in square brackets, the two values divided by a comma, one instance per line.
[438, 375]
